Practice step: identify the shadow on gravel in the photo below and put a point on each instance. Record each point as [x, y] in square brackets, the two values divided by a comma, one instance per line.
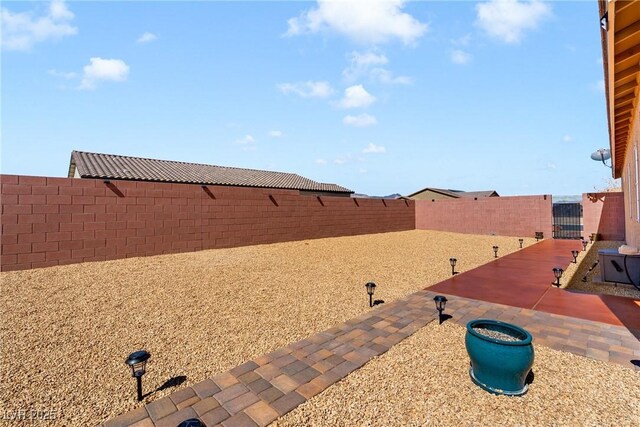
[171, 382]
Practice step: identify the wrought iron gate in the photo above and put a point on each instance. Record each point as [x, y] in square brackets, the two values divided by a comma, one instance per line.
[567, 220]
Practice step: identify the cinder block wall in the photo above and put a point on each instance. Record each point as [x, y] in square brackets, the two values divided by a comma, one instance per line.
[604, 213]
[51, 221]
[504, 216]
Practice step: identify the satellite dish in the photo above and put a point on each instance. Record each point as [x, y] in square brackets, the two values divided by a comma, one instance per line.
[601, 155]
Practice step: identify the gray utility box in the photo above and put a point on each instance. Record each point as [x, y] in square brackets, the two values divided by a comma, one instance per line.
[612, 266]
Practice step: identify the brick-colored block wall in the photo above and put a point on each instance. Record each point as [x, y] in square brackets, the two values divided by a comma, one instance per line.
[504, 216]
[53, 221]
[604, 213]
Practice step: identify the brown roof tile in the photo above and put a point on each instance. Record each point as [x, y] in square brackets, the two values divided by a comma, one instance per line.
[110, 166]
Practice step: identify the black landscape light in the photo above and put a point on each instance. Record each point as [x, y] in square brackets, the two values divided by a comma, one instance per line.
[521, 241]
[371, 288]
[539, 235]
[575, 256]
[557, 272]
[453, 261]
[584, 245]
[591, 238]
[138, 361]
[440, 301]
[495, 251]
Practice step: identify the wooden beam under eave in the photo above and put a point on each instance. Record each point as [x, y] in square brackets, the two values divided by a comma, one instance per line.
[622, 115]
[623, 76]
[622, 5]
[627, 58]
[624, 100]
[627, 33]
[626, 88]
[624, 107]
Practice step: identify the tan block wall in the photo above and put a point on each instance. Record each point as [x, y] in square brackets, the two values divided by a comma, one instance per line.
[505, 216]
[52, 221]
[603, 213]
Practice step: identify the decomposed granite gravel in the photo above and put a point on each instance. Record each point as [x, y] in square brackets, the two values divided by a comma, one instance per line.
[424, 381]
[574, 273]
[65, 331]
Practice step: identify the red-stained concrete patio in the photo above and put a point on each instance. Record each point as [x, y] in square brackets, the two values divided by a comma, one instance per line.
[523, 279]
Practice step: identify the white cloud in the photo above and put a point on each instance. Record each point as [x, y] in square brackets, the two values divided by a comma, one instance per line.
[361, 120]
[147, 37]
[507, 20]
[308, 89]
[567, 138]
[275, 133]
[374, 149]
[460, 57]
[62, 74]
[321, 161]
[368, 63]
[99, 69]
[360, 62]
[356, 97]
[340, 161]
[247, 139]
[462, 41]
[365, 21]
[385, 76]
[20, 31]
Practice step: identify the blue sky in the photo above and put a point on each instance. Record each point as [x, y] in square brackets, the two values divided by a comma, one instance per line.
[380, 97]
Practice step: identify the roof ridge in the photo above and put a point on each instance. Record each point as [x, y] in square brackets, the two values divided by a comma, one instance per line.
[186, 163]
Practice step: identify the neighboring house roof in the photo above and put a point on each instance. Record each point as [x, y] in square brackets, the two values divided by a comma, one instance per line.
[110, 166]
[458, 193]
[488, 193]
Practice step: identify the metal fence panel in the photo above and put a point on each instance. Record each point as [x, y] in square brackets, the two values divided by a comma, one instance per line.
[567, 221]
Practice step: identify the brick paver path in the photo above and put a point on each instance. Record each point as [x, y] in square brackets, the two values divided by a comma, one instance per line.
[261, 390]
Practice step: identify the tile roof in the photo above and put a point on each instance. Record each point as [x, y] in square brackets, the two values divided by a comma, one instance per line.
[110, 166]
[458, 193]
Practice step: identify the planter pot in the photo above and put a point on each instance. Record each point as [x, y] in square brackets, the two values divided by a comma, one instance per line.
[501, 360]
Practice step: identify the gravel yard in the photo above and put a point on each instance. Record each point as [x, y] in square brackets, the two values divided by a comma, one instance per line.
[66, 330]
[424, 381]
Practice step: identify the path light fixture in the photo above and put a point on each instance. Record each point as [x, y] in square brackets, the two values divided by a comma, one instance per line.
[584, 245]
[138, 361]
[371, 288]
[453, 261]
[591, 238]
[440, 301]
[557, 272]
[521, 241]
[495, 251]
[539, 235]
[575, 256]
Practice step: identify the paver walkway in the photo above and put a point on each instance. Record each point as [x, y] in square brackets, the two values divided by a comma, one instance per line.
[259, 391]
[523, 279]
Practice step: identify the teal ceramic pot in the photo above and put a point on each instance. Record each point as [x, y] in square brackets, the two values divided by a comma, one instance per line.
[499, 366]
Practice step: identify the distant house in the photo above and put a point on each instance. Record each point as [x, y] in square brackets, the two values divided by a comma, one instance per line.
[430, 193]
[115, 167]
